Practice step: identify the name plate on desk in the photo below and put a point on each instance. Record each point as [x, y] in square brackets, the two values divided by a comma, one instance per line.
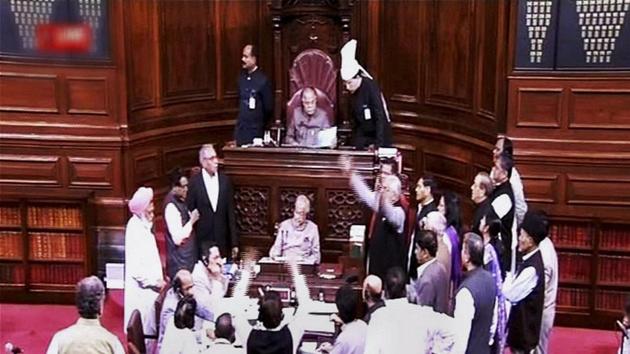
[270, 265]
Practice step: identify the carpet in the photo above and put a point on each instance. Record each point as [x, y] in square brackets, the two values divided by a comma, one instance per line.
[31, 327]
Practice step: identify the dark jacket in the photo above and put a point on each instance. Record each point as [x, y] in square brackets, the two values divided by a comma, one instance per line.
[213, 226]
[183, 256]
[483, 289]
[370, 119]
[526, 316]
[251, 121]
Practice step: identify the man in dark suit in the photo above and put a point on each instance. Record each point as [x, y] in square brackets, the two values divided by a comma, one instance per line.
[431, 287]
[425, 189]
[211, 193]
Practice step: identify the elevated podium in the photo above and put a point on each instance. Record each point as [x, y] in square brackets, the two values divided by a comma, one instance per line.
[268, 179]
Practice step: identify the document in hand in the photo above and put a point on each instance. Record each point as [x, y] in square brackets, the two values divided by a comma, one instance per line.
[327, 137]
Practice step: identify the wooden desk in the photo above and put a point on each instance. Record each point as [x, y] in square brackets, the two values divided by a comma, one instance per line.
[267, 181]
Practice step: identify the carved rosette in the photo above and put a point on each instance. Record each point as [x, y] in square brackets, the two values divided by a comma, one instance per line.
[343, 210]
[251, 205]
[287, 202]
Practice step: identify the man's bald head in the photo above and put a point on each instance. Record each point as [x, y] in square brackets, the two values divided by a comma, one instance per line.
[309, 100]
[372, 288]
[183, 282]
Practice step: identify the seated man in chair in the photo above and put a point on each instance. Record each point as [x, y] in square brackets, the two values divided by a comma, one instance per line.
[298, 237]
[307, 121]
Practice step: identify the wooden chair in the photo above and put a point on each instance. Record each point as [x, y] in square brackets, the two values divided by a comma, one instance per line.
[316, 69]
[135, 334]
[159, 303]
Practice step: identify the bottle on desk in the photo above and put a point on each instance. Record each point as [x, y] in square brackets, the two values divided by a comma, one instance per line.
[321, 296]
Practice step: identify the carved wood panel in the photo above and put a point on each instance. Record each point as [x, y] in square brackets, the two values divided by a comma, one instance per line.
[31, 170]
[40, 97]
[188, 60]
[344, 209]
[287, 202]
[539, 107]
[251, 207]
[238, 20]
[88, 95]
[312, 31]
[91, 172]
[402, 36]
[599, 108]
[452, 54]
[488, 92]
[141, 61]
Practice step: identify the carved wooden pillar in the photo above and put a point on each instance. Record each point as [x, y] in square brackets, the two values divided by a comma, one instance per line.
[345, 128]
[279, 79]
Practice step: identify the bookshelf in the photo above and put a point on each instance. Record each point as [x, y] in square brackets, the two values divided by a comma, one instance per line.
[594, 267]
[45, 247]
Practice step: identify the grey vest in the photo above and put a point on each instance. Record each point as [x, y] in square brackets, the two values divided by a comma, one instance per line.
[183, 256]
[484, 291]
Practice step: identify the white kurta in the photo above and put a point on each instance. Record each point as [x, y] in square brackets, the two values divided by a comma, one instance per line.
[401, 327]
[550, 261]
[142, 270]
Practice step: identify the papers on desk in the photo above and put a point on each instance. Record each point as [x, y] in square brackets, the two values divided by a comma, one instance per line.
[309, 348]
[322, 308]
[243, 304]
[280, 260]
[327, 137]
[319, 323]
[270, 260]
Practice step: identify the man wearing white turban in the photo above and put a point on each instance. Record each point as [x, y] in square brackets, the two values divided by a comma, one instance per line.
[368, 106]
[143, 269]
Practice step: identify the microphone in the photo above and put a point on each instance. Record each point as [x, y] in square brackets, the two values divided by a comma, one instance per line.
[622, 328]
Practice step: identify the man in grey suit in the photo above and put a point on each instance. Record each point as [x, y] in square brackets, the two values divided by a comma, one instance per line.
[431, 286]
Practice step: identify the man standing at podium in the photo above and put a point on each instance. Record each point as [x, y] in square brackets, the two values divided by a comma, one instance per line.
[255, 99]
[298, 237]
[369, 109]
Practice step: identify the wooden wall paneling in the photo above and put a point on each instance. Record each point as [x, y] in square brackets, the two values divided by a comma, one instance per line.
[490, 82]
[181, 156]
[141, 54]
[541, 188]
[607, 189]
[539, 107]
[599, 108]
[402, 36]
[187, 67]
[450, 64]
[88, 95]
[146, 167]
[76, 103]
[92, 172]
[34, 170]
[583, 114]
[451, 169]
[29, 92]
[236, 25]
